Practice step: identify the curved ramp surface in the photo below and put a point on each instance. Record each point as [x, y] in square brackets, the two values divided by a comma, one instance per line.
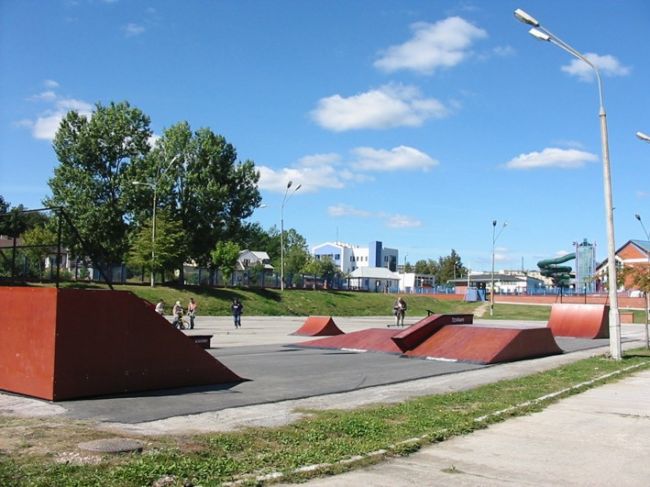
[423, 329]
[579, 320]
[370, 340]
[70, 343]
[487, 345]
[318, 326]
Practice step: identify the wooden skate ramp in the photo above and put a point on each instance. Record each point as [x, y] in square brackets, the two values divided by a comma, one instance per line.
[318, 326]
[415, 334]
[579, 320]
[68, 343]
[370, 340]
[485, 345]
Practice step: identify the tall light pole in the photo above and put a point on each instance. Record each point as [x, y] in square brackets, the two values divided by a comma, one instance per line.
[284, 200]
[495, 236]
[154, 186]
[544, 34]
[645, 138]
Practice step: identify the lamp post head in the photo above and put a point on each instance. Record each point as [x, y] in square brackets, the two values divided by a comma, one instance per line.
[539, 35]
[526, 18]
[289, 184]
[297, 188]
[638, 217]
[494, 223]
[643, 136]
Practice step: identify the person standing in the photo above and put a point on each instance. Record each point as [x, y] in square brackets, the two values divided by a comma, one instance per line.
[399, 310]
[191, 312]
[237, 309]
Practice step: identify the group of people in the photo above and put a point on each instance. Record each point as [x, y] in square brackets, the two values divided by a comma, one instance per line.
[236, 308]
[178, 312]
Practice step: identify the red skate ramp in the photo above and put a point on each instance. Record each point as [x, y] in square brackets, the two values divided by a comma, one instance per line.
[579, 320]
[317, 326]
[370, 340]
[68, 343]
[423, 329]
[487, 345]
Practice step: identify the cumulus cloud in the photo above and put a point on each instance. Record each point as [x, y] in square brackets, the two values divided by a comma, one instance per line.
[432, 46]
[398, 158]
[332, 171]
[552, 157]
[386, 107]
[390, 220]
[132, 29]
[44, 125]
[607, 65]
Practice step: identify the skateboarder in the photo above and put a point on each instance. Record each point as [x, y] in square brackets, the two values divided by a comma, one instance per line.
[399, 310]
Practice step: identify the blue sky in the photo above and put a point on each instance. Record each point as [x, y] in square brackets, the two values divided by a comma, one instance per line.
[416, 123]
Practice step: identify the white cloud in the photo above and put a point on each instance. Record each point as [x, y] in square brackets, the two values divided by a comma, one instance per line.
[50, 83]
[642, 194]
[386, 107]
[310, 178]
[398, 158]
[43, 96]
[402, 221]
[347, 210]
[552, 157]
[46, 123]
[319, 159]
[504, 51]
[153, 140]
[607, 65]
[132, 29]
[390, 220]
[432, 46]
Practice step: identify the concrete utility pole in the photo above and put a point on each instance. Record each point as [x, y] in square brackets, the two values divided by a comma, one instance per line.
[543, 34]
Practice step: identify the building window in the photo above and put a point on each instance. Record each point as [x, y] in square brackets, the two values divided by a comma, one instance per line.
[337, 257]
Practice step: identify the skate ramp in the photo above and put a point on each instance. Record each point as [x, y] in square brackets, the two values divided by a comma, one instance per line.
[579, 320]
[318, 326]
[370, 340]
[423, 329]
[487, 345]
[69, 343]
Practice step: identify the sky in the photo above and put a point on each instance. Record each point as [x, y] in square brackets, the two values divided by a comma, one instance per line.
[415, 123]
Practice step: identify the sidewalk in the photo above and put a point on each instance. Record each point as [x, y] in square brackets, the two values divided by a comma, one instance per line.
[597, 438]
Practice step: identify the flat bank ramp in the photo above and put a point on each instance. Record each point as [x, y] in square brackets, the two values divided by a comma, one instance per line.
[579, 320]
[71, 343]
[487, 345]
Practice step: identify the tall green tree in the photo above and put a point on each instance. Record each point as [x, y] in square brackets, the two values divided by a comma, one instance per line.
[450, 267]
[202, 183]
[169, 245]
[224, 257]
[93, 176]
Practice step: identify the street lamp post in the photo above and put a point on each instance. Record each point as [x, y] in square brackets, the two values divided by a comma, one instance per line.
[647, 296]
[495, 236]
[544, 34]
[284, 200]
[154, 186]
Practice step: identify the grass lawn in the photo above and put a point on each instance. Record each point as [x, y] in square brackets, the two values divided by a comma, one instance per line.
[324, 437]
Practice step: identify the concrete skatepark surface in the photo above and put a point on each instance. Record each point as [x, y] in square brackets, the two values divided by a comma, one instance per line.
[284, 378]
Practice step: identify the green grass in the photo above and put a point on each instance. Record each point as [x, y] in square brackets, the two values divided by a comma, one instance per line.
[520, 312]
[272, 302]
[323, 437]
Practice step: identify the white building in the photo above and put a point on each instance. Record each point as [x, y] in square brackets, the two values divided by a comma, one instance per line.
[251, 258]
[375, 279]
[349, 257]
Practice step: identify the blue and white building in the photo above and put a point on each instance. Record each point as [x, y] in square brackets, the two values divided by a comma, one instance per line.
[349, 258]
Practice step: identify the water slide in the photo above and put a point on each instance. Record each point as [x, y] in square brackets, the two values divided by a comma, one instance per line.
[561, 274]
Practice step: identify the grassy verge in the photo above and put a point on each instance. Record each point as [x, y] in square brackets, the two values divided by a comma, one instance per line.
[519, 312]
[325, 437]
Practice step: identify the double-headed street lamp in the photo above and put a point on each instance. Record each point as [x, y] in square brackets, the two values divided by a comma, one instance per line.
[154, 186]
[284, 200]
[495, 236]
[544, 34]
